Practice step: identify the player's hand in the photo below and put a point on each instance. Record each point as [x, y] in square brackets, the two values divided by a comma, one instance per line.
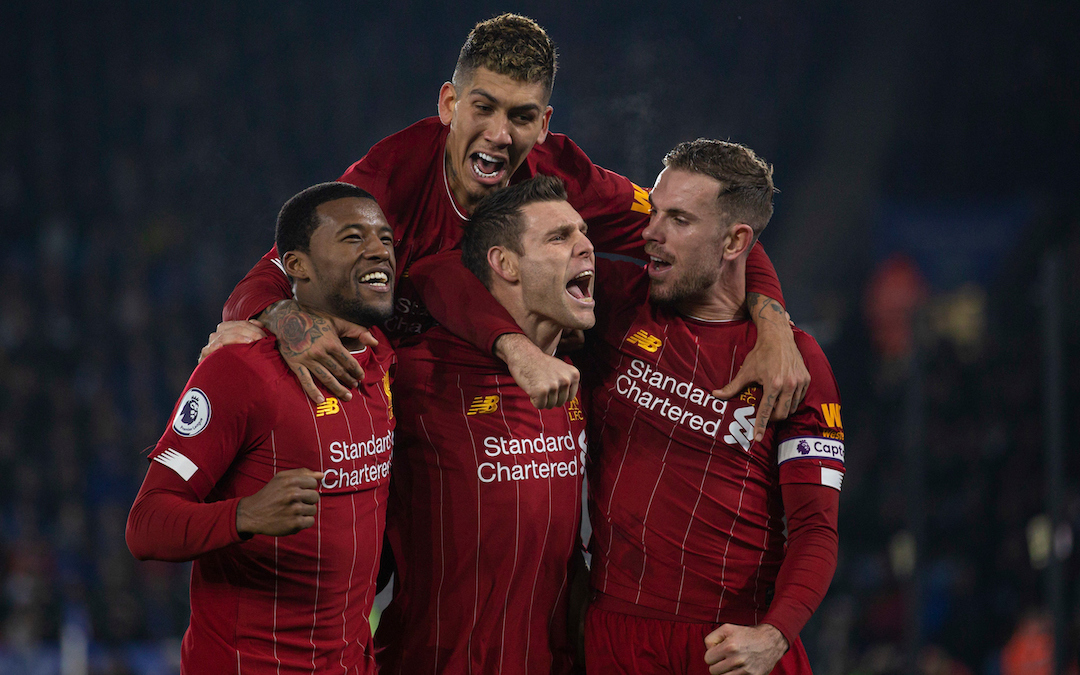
[311, 347]
[285, 505]
[775, 363]
[230, 333]
[744, 650]
[550, 382]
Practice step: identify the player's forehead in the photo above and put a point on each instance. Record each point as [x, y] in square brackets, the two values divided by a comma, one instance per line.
[550, 216]
[685, 190]
[349, 212]
[482, 82]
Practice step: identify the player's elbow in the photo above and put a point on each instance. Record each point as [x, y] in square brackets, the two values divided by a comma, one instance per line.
[136, 543]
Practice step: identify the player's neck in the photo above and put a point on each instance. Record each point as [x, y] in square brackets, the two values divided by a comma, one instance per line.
[460, 199]
[541, 330]
[725, 300]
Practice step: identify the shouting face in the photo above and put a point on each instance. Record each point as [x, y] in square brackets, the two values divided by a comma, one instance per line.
[494, 122]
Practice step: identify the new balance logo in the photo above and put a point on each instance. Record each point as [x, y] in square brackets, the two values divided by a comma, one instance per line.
[831, 411]
[330, 406]
[482, 405]
[649, 343]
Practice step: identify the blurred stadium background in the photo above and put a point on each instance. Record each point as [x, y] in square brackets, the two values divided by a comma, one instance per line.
[926, 233]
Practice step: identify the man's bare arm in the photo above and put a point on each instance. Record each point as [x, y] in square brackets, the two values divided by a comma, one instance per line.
[775, 363]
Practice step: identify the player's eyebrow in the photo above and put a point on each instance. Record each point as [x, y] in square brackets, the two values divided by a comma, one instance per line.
[520, 108]
[671, 211]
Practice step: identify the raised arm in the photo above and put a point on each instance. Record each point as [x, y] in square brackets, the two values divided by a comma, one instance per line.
[775, 362]
[310, 344]
[457, 300]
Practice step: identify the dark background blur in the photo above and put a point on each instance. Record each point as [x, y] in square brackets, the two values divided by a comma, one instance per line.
[925, 155]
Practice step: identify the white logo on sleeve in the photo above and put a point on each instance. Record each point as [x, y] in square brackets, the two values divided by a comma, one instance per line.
[193, 413]
[184, 467]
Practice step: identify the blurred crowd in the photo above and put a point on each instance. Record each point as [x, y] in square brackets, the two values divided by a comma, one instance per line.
[137, 187]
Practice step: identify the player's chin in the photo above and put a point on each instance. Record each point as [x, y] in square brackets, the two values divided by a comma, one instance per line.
[580, 318]
[378, 304]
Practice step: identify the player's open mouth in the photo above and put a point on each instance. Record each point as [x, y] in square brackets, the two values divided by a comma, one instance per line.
[580, 287]
[379, 281]
[658, 265]
[487, 168]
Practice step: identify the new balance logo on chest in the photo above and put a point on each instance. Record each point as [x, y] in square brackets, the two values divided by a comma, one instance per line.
[649, 343]
[483, 405]
[331, 406]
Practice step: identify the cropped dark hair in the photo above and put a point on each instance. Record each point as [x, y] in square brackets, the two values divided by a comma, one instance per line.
[746, 184]
[498, 221]
[297, 219]
[511, 45]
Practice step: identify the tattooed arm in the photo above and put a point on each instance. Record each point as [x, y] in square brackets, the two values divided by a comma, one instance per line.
[774, 362]
[309, 343]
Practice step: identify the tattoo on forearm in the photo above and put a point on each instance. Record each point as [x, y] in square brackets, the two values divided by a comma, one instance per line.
[765, 308]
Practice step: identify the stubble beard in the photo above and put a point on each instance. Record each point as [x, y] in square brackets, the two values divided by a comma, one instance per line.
[357, 311]
[686, 288]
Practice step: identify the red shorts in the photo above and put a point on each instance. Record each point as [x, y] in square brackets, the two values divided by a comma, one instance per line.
[621, 643]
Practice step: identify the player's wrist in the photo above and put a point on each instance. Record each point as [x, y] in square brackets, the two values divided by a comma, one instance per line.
[775, 636]
[509, 345]
[244, 526]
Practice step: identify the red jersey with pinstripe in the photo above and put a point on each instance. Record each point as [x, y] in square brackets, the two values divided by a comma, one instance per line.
[405, 172]
[484, 517]
[686, 510]
[290, 604]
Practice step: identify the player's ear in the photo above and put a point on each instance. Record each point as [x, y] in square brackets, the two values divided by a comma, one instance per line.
[297, 265]
[544, 124]
[738, 240]
[447, 100]
[504, 263]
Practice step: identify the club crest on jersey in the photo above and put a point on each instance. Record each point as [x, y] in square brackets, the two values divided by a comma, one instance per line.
[649, 343]
[193, 413]
[483, 405]
[331, 406]
[573, 410]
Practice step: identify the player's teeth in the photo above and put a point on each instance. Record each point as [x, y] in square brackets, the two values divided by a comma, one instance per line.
[374, 276]
[488, 158]
[583, 275]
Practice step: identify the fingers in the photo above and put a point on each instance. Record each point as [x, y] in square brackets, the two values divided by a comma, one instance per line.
[800, 396]
[231, 332]
[346, 368]
[768, 402]
[733, 388]
[351, 330]
[333, 378]
[307, 384]
[574, 390]
[714, 638]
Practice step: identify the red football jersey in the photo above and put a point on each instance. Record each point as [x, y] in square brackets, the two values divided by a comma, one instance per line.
[686, 509]
[290, 604]
[405, 173]
[484, 516]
